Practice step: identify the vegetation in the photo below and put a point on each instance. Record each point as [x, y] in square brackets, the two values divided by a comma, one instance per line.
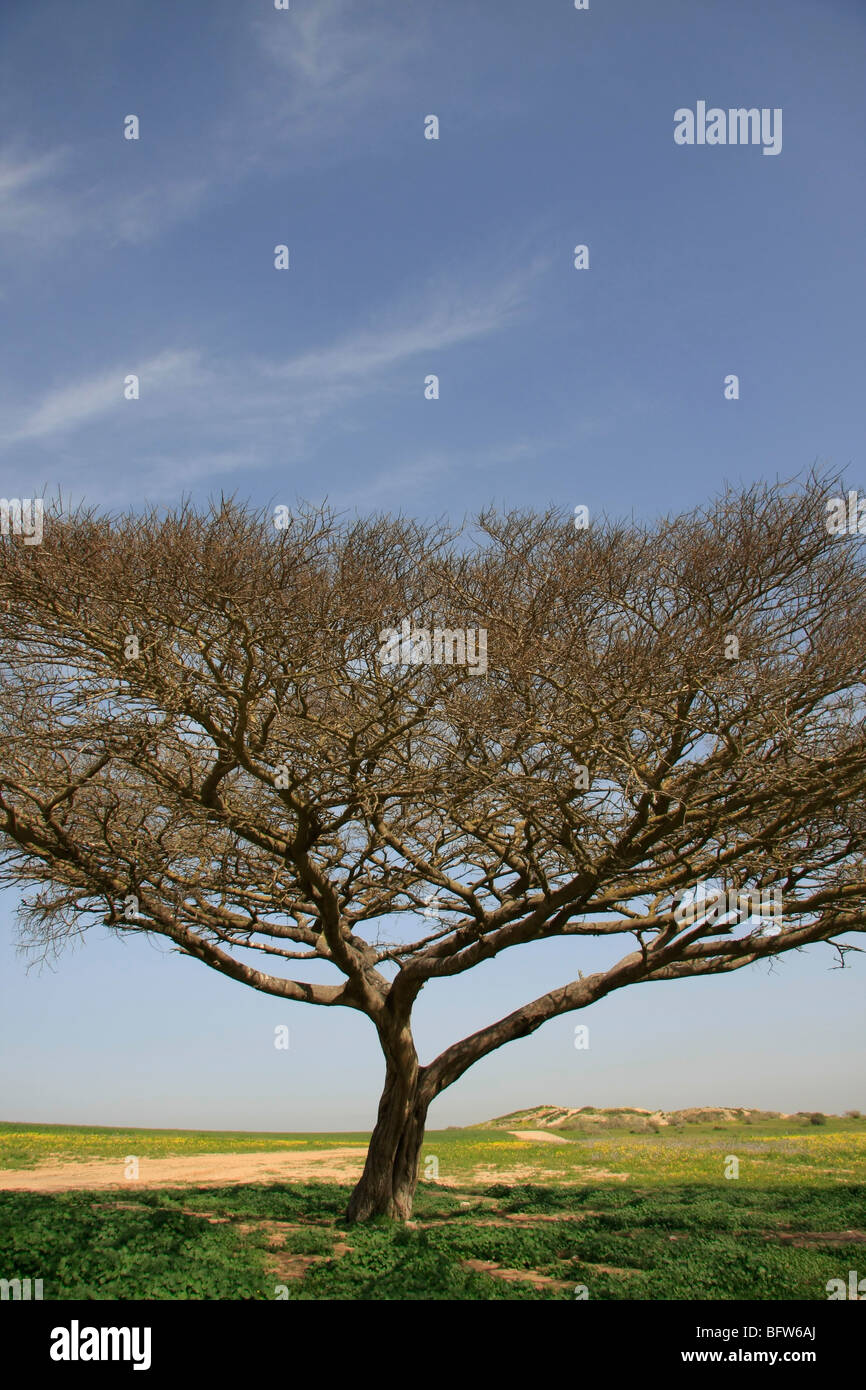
[264, 739]
[26, 1145]
[262, 1242]
[646, 1216]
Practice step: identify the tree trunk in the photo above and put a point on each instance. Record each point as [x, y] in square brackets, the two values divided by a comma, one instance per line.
[387, 1184]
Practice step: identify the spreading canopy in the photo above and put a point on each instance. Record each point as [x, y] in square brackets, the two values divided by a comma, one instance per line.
[202, 739]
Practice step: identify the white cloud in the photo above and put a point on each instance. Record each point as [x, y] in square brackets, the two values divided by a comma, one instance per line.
[205, 415]
[447, 316]
[143, 215]
[302, 79]
[30, 212]
[44, 201]
[433, 466]
[17, 174]
[70, 407]
[338, 60]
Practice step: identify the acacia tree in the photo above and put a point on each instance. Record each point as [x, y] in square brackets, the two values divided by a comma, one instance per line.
[202, 740]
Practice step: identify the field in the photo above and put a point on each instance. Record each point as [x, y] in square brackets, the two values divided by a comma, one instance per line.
[558, 1214]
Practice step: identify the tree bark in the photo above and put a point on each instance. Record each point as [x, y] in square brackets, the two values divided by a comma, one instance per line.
[387, 1184]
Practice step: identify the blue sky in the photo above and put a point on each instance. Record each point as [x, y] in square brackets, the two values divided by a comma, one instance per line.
[409, 257]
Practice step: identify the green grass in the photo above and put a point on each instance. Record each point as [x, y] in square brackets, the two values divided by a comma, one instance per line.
[663, 1224]
[771, 1149]
[239, 1242]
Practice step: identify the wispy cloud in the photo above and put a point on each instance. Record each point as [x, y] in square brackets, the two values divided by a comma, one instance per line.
[308, 386]
[145, 213]
[85, 401]
[300, 81]
[52, 197]
[29, 204]
[331, 62]
[415, 477]
[224, 412]
[447, 316]
[17, 174]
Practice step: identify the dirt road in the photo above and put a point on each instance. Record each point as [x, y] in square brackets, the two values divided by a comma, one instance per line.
[342, 1164]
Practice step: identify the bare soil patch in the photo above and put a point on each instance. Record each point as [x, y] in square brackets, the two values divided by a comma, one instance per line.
[544, 1136]
[513, 1218]
[520, 1276]
[818, 1237]
[343, 1164]
[292, 1266]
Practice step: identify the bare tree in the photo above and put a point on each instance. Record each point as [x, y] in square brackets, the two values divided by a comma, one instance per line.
[203, 738]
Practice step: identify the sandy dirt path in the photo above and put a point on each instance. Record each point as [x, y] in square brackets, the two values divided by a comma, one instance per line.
[543, 1134]
[343, 1164]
